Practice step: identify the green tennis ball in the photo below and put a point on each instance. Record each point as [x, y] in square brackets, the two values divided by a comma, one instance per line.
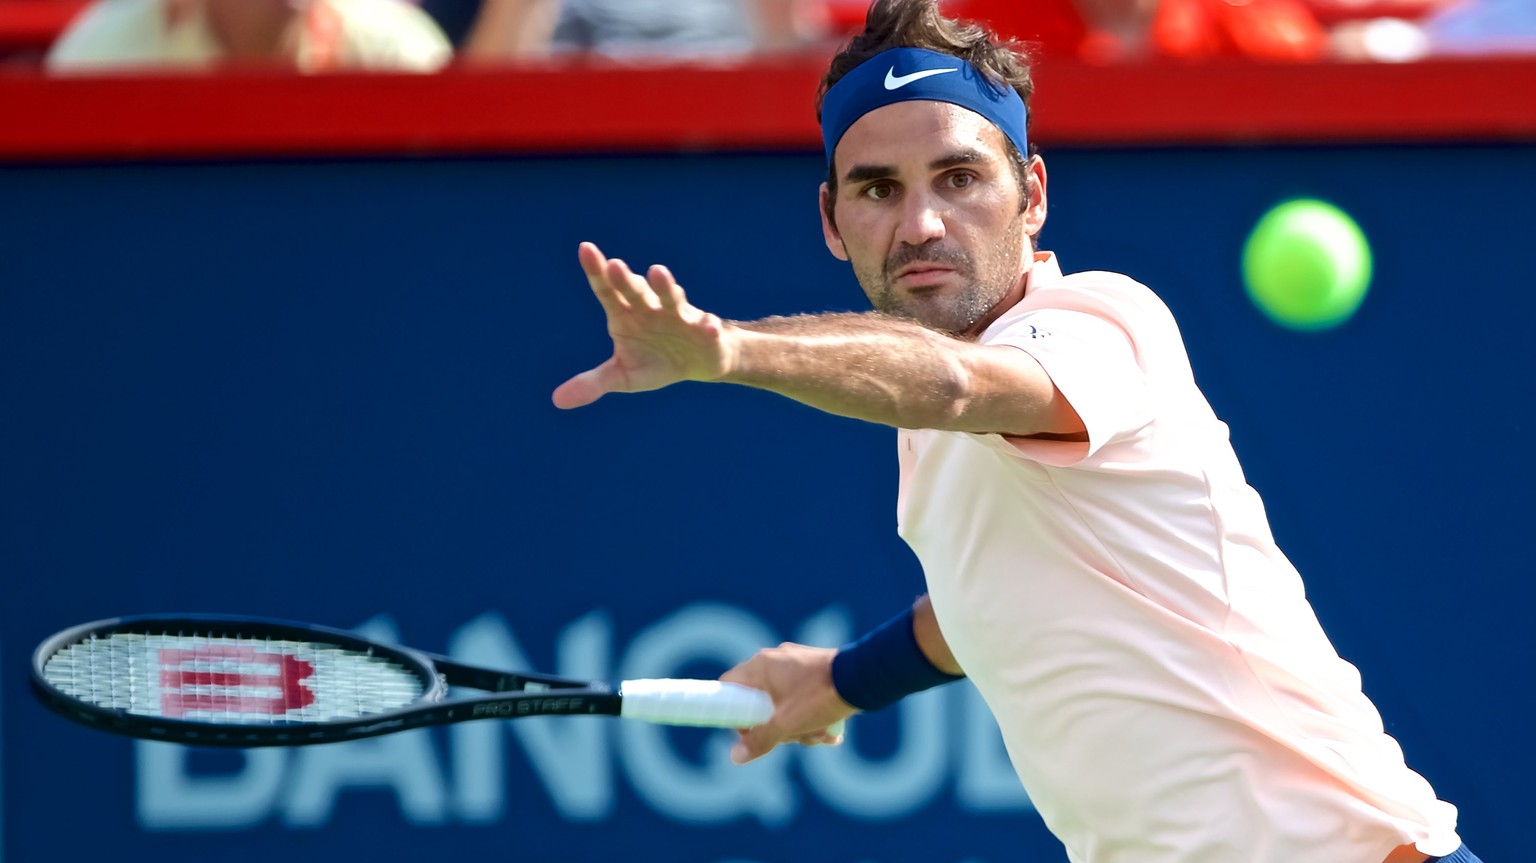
[1307, 265]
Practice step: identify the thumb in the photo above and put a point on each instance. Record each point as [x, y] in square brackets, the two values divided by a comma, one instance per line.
[583, 389]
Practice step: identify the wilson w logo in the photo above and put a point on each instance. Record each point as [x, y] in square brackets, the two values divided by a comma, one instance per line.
[226, 679]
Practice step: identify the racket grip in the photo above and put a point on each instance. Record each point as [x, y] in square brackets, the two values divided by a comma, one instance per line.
[709, 703]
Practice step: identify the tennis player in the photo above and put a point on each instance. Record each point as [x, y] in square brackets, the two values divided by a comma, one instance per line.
[1096, 563]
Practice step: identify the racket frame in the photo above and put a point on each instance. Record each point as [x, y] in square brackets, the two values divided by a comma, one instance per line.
[550, 695]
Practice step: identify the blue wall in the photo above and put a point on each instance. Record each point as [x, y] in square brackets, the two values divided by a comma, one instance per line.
[320, 391]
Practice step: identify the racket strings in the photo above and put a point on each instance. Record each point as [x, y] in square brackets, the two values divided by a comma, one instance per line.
[236, 680]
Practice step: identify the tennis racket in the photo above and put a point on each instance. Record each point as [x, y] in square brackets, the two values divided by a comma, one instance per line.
[240, 681]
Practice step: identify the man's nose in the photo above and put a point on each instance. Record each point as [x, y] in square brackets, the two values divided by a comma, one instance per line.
[922, 220]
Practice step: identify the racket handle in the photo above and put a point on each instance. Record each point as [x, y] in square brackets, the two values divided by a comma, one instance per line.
[709, 703]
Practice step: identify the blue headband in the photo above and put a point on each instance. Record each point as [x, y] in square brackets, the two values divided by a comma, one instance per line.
[915, 74]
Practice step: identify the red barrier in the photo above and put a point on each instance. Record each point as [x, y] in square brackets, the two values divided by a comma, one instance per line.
[34, 24]
[761, 105]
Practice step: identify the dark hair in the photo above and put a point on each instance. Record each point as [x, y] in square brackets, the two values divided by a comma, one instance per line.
[919, 24]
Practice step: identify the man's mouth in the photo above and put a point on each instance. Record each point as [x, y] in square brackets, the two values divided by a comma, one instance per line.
[923, 275]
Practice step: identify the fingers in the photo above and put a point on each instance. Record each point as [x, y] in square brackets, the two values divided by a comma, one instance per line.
[668, 291]
[595, 265]
[832, 735]
[657, 339]
[617, 286]
[806, 709]
[630, 287]
[755, 743]
[591, 258]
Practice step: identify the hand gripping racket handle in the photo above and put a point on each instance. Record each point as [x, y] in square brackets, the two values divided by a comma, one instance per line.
[709, 703]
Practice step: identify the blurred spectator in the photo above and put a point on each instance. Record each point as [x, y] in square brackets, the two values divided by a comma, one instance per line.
[307, 35]
[497, 29]
[1463, 28]
[1114, 30]
[1483, 27]
[1383, 40]
[492, 30]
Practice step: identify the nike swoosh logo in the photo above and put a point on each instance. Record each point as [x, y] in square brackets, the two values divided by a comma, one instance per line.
[895, 82]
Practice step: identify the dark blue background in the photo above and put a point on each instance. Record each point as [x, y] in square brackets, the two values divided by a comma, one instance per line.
[320, 391]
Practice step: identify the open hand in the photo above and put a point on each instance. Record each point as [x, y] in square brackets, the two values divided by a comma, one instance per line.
[659, 338]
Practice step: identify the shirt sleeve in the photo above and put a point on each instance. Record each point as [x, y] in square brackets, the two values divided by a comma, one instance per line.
[1094, 364]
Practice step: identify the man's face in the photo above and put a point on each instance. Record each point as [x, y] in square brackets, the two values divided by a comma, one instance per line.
[929, 212]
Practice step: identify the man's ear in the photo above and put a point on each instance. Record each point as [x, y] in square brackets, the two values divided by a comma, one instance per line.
[1035, 209]
[829, 228]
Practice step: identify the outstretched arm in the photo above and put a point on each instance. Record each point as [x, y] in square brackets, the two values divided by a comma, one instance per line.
[866, 366]
[807, 699]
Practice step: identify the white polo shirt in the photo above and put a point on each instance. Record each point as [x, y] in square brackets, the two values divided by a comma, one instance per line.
[1161, 682]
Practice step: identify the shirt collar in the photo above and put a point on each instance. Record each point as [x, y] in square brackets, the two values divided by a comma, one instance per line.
[1045, 271]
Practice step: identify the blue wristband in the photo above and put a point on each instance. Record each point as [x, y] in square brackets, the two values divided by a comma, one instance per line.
[885, 666]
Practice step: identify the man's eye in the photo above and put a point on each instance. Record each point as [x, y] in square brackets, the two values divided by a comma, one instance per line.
[961, 181]
[878, 191]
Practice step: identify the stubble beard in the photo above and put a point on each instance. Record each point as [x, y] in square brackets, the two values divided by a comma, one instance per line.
[945, 309]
